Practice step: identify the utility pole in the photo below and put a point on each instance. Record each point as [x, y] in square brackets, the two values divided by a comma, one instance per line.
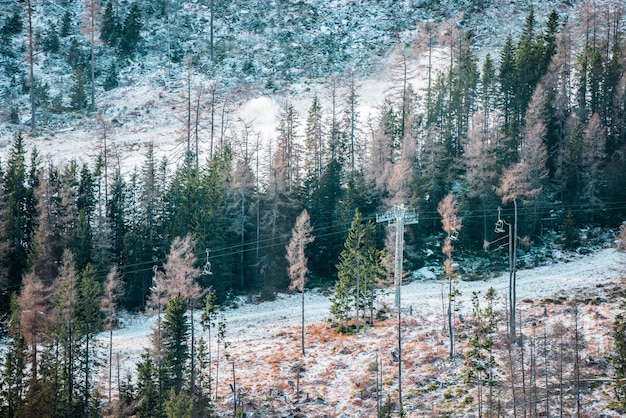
[398, 216]
[512, 244]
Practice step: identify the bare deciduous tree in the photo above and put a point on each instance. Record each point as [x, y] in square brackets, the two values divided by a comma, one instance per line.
[179, 279]
[515, 184]
[298, 269]
[35, 305]
[451, 224]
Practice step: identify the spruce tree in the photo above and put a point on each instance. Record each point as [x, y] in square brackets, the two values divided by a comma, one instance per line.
[89, 323]
[147, 388]
[78, 95]
[359, 265]
[109, 29]
[19, 211]
[324, 208]
[175, 337]
[66, 24]
[13, 379]
[131, 32]
[113, 290]
[111, 80]
[508, 82]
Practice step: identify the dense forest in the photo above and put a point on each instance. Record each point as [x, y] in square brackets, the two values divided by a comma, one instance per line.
[534, 131]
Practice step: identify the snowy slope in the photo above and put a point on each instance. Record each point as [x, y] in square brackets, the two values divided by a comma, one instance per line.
[265, 336]
[148, 104]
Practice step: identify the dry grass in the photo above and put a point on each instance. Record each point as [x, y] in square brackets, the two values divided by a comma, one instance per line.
[339, 370]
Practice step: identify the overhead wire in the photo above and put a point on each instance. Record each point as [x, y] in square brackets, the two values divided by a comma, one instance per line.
[342, 229]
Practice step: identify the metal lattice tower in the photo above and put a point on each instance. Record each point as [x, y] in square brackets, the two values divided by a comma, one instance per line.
[398, 216]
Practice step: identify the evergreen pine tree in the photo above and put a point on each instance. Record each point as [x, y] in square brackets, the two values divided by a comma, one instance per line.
[78, 95]
[175, 337]
[324, 209]
[178, 405]
[13, 378]
[131, 31]
[66, 24]
[19, 211]
[508, 83]
[75, 56]
[109, 29]
[111, 80]
[359, 265]
[89, 323]
[147, 388]
[50, 42]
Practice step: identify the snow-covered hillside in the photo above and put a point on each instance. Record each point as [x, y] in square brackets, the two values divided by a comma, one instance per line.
[265, 336]
[148, 104]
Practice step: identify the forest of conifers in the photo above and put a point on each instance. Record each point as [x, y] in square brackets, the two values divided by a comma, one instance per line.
[541, 124]
[549, 111]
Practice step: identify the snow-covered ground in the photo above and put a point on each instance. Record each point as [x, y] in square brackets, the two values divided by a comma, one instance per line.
[263, 333]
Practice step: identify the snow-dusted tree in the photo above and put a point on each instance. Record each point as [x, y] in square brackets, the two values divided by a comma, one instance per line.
[113, 290]
[287, 158]
[131, 31]
[452, 224]
[315, 155]
[91, 17]
[301, 235]
[350, 125]
[30, 59]
[110, 28]
[180, 280]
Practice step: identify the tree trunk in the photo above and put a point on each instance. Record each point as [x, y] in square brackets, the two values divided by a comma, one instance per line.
[31, 63]
[514, 270]
[193, 353]
[110, 360]
[400, 360]
[302, 329]
[450, 328]
[86, 400]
